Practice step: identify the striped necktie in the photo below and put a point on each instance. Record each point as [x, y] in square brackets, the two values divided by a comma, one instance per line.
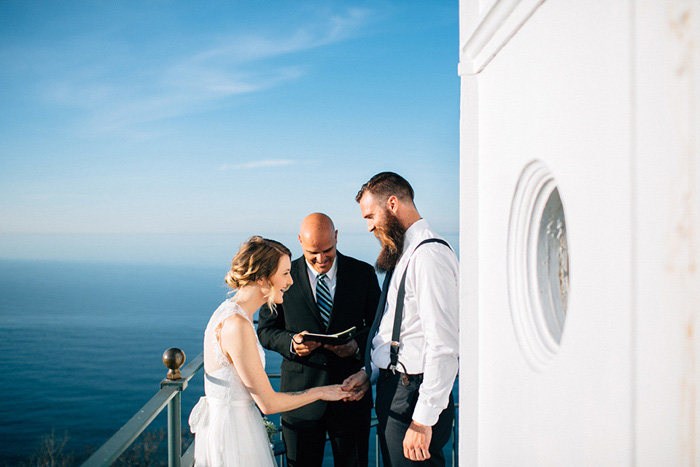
[323, 298]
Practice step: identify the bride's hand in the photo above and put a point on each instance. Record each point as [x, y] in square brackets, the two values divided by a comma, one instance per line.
[333, 392]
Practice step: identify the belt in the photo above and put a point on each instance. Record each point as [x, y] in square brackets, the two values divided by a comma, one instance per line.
[215, 401]
[387, 374]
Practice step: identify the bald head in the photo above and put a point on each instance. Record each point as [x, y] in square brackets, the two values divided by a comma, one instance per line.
[315, 223]
[318, 239]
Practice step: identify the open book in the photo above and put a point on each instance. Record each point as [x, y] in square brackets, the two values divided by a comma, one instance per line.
[334, 339]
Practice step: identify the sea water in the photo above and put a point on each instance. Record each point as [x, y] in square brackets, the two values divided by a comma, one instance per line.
[81, 346]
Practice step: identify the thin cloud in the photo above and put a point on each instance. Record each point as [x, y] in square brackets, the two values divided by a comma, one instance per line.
[235, 68]
[259, 164]
[254, 47]
[118, 94]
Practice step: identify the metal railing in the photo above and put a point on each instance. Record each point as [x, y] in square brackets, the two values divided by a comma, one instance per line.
[170, 395]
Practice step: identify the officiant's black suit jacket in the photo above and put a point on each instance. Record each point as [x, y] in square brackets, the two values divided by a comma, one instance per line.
[354, 304]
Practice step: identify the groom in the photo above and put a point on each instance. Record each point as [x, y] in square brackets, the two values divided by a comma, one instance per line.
[331, 293]
[414, 353]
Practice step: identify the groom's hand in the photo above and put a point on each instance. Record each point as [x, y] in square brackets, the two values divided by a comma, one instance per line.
[346, 350]
[302, 347]
[416, 443]
[357, 385]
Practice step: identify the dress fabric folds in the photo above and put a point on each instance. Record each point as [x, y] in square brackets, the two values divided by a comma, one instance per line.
[228, 427]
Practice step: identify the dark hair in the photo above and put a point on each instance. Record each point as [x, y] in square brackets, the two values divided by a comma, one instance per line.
[386, 184]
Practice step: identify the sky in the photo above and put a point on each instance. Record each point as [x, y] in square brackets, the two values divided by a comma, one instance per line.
[170, 131]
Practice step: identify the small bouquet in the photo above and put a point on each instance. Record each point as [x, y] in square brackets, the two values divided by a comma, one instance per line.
[271, 429]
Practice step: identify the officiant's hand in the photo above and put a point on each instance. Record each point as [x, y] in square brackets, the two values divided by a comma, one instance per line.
[346, 350]
[302, 347]
[357, 385]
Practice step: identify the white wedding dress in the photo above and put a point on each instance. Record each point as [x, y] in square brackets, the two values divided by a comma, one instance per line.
[227, 424]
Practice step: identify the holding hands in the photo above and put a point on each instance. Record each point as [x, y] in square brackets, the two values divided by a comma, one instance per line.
[334, 392]
[357, 385]
[354, 387]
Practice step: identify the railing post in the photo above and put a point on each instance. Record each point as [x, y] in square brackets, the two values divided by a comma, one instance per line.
[174, 359]
[376, 446]
[175, 430]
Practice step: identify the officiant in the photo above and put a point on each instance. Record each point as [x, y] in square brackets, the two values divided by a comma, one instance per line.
[331, 293]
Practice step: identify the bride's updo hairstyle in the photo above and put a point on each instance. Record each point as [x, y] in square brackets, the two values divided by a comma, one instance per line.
[257, 258]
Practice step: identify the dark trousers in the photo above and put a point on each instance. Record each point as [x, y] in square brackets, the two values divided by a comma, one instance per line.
[305, 440]
[394, 407]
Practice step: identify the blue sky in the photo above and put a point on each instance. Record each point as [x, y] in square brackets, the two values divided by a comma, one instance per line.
[172, 130]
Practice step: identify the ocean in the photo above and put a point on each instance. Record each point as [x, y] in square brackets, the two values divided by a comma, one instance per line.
[81, 346]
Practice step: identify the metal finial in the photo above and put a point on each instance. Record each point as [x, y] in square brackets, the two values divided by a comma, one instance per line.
[173, 359]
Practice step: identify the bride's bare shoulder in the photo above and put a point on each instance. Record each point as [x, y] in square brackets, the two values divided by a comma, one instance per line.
[236, 326]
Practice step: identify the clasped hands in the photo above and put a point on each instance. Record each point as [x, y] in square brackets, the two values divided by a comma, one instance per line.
[358, 384]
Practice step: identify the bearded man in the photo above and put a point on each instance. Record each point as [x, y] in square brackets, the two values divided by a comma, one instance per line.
[412, 349]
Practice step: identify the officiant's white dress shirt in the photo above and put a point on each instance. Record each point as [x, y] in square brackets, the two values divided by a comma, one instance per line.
[330, 276]
[430, 326]
[331, 282]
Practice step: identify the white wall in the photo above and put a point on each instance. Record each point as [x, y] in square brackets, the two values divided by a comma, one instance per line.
[593, 90]
[667, 232]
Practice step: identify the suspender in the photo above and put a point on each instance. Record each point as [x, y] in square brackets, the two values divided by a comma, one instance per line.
[395, 335]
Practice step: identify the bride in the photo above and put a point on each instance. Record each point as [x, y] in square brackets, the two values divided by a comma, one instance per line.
[228, 427]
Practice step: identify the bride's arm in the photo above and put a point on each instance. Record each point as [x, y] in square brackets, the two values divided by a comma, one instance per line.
[238, 340]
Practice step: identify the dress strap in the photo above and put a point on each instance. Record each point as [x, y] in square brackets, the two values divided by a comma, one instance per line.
[229, 308]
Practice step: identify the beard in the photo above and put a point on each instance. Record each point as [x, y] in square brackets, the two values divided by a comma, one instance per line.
[391, 235]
